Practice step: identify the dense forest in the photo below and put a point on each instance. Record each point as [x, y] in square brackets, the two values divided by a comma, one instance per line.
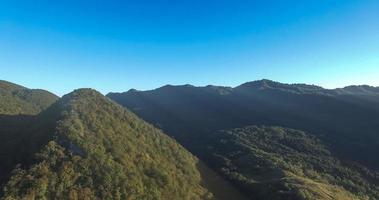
[20, 127]
[343, 122]
[281, 163]
[264, 140]
[84, 146]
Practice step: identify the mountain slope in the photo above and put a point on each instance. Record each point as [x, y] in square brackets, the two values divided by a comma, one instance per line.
[348, 122]
[345, 122]
[16, 99]
[280, 163]
[98, 150]
[18, 122]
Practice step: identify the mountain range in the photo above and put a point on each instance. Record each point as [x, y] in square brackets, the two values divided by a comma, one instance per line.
[343, 122]
[260, 140]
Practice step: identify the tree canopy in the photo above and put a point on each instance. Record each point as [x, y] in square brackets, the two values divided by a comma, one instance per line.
[99, 150]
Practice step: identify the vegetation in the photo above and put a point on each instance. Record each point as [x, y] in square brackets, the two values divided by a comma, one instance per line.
[342, 123]
[98, 150]
[21, 131]
[85, 146]
[349, 123]
[15, 99]
[280, 163]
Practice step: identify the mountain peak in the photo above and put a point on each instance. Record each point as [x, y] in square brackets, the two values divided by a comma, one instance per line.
[176, 86]
[266, 84]
[82, 93]
[261, 84]
[85, 91]
[132, 90]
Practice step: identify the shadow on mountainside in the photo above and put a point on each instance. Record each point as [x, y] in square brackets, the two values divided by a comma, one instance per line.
[221, 189]
[20, 138]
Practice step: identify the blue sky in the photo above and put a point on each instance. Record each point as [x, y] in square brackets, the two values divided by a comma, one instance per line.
[118, 45]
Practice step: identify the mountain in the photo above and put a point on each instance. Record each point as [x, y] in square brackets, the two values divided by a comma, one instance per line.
[85, 146]
[291, 88]
[264, 84]
[267, 139]
[348, 122]
[16, 99]
[344, 120]
[358, 90]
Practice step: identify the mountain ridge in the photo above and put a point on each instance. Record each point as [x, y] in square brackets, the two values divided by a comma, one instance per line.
[270, 84]
[86, 145]
[99, 150]
[16, 99]
[345, 121]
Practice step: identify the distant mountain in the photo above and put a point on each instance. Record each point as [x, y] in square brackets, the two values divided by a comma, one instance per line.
[358, 90]
[293, 88]
[345, 120]
[16, 99]
[85, 146]
[310, 89]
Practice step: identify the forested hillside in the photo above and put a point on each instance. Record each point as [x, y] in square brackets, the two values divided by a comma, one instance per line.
[20, 128]
[344, 121]
[281, 163]
[85, 146]
[15, 99]
[349, 122]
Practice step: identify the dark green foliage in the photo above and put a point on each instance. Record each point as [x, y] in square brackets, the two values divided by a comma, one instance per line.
[21, 136]
[15, 99]
[86, 147]
[99, 150]
[346, 120]
[280, 163]
[21, 133]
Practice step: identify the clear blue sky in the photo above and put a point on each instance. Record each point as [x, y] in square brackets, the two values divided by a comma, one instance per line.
[118, 45]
